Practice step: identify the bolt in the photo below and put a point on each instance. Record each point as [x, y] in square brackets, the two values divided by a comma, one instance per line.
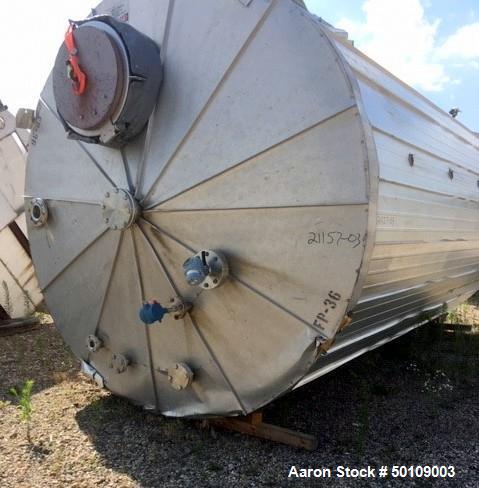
[115, 227]
[107, 220]
[125, 197]
[215, 281]
[103, 206]
[107, 194]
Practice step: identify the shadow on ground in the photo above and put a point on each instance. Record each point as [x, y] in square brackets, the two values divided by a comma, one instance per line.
[412, 402]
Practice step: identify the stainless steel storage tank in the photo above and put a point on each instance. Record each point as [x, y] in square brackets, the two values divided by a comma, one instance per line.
[330, 190]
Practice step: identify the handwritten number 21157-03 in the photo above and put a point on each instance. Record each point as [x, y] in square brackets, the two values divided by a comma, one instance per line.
[334, 238]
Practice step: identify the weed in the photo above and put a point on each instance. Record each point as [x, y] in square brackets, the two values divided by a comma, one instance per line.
[453, 316]
[24, 398]
[7, 303]
[27, 303]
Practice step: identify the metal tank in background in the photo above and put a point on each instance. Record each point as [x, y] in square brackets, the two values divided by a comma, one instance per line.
[227, 200]
[19, 290]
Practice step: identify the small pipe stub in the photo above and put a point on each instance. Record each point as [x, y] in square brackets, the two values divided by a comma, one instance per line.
[180, 376]
[38, 211]
[93, 343]
[119, 363]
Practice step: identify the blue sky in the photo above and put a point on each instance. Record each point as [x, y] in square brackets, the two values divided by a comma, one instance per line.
[431, 44]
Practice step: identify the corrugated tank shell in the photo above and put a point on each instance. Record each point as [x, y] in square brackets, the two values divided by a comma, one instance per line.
[425, 255]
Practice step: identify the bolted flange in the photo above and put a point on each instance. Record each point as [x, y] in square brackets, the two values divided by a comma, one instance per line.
[180, 376]
[119, 363]
[207, 269]
[120, 209]
[38, 211]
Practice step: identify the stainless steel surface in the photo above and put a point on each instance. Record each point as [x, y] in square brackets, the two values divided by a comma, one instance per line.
[277, 143]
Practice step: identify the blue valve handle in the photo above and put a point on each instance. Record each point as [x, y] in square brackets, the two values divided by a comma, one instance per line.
[152, 312]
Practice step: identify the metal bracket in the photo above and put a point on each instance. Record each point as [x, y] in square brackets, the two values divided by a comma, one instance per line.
[92, 373]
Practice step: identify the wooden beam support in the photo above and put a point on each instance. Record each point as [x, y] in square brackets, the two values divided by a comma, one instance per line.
[17, 326]
[3, 314]
[253, 425]
[20, 236]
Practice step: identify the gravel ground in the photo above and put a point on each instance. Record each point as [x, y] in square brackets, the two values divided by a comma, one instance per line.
[414, 402]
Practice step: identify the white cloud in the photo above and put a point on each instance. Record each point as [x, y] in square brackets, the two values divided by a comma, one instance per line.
[463, 44]
[399, 37]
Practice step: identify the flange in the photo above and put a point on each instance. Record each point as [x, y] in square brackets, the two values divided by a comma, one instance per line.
[38, 211]
[120, 209]
[207, 269]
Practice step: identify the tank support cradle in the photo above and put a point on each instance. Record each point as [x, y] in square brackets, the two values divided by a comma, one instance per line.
[253, 424]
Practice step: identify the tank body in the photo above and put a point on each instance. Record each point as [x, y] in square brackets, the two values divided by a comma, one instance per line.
[425, 255]
[344, 203]
[19, 290]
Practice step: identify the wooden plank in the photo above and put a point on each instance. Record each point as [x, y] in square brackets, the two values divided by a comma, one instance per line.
[17, 326]
[20, 236]
[250, 426]
[3, 314]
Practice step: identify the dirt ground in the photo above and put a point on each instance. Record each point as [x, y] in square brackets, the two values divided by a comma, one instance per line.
[413, 402]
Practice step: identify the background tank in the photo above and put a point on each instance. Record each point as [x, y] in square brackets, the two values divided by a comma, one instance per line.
[333, 191]
[19, 290]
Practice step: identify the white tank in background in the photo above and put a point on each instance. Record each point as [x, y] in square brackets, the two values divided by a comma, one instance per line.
[19, 290]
